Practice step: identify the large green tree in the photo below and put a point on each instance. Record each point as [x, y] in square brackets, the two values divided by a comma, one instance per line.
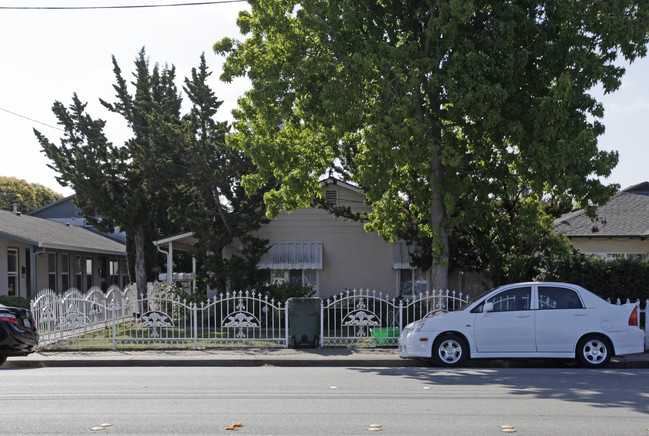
[451, 115]
[214, 204]
[26, 196]
[125, 185]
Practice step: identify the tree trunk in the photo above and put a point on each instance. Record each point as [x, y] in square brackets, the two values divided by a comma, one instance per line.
[140, 269]
[439, 268]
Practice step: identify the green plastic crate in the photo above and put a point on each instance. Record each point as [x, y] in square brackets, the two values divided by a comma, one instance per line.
[385, 335]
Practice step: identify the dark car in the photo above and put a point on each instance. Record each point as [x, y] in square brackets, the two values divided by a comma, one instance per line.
[18, 335]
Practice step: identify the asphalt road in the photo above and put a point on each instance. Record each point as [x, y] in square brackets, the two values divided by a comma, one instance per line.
[317, 400]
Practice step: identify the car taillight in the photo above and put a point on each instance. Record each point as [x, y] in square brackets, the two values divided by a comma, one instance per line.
[7, 317]
[633, 319]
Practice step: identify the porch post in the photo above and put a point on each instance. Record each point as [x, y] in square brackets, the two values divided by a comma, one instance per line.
[170, 263]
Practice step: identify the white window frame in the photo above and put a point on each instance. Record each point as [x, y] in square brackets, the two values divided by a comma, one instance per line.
[11, 274]
[616, 255]
[415, 276]
[64, 260]
[52, 268]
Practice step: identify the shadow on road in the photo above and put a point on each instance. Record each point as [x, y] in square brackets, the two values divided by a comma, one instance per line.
[606, 388]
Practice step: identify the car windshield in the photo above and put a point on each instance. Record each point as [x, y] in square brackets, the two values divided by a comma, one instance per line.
[475, 298]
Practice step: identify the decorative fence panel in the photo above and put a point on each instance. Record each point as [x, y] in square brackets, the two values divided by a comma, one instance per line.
[119, 320]
[74, 319]
[365, 318]
[242, 319]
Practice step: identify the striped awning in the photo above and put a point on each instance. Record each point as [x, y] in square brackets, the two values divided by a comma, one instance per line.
[292, 255]
[401, 254]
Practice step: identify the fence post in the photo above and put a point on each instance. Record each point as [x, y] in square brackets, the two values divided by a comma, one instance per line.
[195, 325]
[646, 324]
[286, 335]
[400, 316]
[321, 323]
[112, 311]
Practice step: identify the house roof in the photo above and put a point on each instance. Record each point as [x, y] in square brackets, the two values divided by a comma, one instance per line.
[44, 233]
[334, 181]
[36, 212]
[182, 241]
[624, 215]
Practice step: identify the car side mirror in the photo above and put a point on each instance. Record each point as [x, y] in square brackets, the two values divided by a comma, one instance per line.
[488, 307]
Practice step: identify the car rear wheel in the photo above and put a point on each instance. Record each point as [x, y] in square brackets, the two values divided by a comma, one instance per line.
[3, 359]
[594, 351]
[450, 350]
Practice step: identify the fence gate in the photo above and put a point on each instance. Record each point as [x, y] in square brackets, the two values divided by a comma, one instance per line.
[365, 318]
[242, 319]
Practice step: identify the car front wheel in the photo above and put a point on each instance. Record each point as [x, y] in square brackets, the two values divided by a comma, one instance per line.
[449, 350]
[594, 351]
[3, 359]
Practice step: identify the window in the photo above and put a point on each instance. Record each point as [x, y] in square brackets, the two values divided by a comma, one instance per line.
[412, 281]
[65, 272]
[331, 197]
[123, 272]
[103, 272]
[509, 300]
[51, 271]
[78, 272]
[12, 271]
[304, 277]
[88, 273]
[552, 297]
[113, 271]
[613, 256]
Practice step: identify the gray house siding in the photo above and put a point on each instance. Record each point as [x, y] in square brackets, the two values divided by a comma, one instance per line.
[38, 253]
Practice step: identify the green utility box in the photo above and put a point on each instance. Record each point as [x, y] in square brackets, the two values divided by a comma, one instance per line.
[304, 322]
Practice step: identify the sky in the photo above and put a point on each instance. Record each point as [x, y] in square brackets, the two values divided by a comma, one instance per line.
[47, 55]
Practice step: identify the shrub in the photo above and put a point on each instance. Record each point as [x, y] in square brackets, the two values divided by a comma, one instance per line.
[13, 301]
[618, 278]
[285, 291]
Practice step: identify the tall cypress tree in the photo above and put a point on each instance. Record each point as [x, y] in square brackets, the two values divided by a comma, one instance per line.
[122, 184]
[215, 205]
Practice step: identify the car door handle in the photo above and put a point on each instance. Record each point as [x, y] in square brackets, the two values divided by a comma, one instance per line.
[578, 314]
[523, 316]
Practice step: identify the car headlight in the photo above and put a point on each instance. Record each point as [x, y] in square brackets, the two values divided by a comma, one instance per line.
[416, 326]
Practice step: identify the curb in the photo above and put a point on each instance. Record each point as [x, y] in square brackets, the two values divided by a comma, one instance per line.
[616, 363]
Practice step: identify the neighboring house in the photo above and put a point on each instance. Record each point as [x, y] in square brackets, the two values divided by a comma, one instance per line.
[37, 253]
[620, 230]
[65, 211]
[313, 247]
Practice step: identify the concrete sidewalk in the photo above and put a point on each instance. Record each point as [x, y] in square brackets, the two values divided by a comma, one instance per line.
[327, 357]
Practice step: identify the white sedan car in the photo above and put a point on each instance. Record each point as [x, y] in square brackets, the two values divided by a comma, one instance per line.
[528, 320]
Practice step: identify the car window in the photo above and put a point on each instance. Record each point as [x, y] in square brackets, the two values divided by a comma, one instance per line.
[554, 297]
[509, 300]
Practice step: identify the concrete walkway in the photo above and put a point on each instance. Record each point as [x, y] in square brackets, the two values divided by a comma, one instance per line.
[327, 357]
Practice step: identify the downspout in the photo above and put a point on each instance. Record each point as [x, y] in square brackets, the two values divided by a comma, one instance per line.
[170, 263]
[194, 274]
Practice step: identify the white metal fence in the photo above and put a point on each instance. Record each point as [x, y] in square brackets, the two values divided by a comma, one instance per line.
[118, 319]
[362, 318]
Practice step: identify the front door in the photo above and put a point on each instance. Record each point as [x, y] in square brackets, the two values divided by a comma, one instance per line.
[509, 328]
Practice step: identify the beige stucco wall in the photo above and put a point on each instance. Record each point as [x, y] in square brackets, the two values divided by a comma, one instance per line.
[352, 258]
